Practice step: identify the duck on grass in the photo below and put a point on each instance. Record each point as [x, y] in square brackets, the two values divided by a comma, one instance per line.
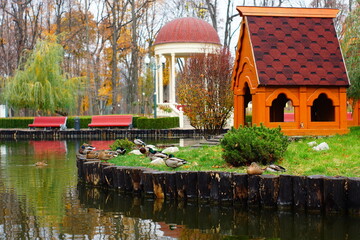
[341, 159]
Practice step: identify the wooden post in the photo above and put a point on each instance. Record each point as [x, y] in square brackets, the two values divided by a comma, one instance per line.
[119, 179]
[135, 174]
[226, 187]
[204, 185]
[240, 182]
[253, 190]
[191, 185]
[127, 179]
[180, 184]
[91, 172]
[109, 173]
[170, 184]
[214, 186]
[146, 182]
[186, 182]
[300, 192]
[335, 194]
[80, 169]
[286, 195]
[269, 190]
[315, 199]
[102, 166]
[353, 200]
[159, 184]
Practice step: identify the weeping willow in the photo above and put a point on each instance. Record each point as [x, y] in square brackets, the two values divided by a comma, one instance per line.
[41, 85]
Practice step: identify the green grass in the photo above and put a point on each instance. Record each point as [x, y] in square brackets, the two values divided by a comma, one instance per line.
[343, 158]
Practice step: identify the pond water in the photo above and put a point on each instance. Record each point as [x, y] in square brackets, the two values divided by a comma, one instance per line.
[49, 203]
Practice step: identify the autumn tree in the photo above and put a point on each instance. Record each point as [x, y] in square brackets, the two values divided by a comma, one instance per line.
[20, 26]
[118, 20]
[350, 44]
[204, 90]
[41, 85]
[130, 74]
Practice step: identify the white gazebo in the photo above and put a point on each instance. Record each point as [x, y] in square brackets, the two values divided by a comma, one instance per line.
[180, 38]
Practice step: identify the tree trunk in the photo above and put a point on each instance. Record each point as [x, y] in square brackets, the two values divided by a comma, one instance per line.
[114, 72]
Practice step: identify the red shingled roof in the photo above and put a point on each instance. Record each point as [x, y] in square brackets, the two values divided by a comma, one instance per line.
[296, 51]
[187, 30]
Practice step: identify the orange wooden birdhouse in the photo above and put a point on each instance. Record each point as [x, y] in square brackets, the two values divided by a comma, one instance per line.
[289, 66]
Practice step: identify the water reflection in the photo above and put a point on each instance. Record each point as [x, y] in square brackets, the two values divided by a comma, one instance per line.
[190, 220]
[48, 203]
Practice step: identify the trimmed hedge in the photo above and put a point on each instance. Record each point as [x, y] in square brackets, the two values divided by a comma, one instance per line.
[84, 121]
[157, 123]
[17, 122]
[138, 122]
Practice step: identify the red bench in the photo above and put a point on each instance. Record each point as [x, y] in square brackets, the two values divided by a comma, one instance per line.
[45, 122]
[111, 121]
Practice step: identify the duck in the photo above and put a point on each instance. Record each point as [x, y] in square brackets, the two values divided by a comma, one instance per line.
[85, 148]
[173, 161]
[143, 150]
[275, 168]
[41, 164]
[92, 155]
[121, 150]
[156, 154]
[254, 169]
[106, 155]
[139, 142]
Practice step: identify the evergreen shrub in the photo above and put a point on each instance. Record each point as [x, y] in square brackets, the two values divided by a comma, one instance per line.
[254, 144]
[123, 143]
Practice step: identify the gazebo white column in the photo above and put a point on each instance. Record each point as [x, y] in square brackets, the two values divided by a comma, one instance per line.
[172, 95]
[156, 69]
[161, 81]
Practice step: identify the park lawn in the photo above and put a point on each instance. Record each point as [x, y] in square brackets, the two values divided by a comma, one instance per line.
[343, 158]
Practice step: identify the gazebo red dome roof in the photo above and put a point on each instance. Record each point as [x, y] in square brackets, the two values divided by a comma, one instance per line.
[187, 30]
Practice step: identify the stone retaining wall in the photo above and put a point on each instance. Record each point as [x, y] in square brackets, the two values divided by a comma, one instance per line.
[312, 193]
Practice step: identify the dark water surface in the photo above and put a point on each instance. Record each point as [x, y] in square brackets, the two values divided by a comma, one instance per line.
[49, 203]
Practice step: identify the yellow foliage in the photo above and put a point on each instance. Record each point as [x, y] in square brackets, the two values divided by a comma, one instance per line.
[3, 41]
[84, 105]
[166, 74]
[105, 92]
[124, 41]
[50, 35]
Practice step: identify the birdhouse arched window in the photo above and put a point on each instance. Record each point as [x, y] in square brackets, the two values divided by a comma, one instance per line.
[281, 109]
[322, 109]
